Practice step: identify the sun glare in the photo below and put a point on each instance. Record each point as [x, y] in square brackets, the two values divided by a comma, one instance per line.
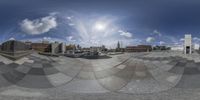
[100, 26]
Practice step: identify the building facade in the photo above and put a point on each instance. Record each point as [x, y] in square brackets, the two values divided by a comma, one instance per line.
[188, 44]
[139, 48]
[161, 48]
[119, 48]
[14, 46]
[41, 47]
[58, 48]
[196, 46]
[177, 48]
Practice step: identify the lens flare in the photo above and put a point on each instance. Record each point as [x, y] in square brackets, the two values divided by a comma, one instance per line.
[100, 26]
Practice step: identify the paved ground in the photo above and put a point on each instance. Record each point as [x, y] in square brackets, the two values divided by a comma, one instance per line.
[138, 76]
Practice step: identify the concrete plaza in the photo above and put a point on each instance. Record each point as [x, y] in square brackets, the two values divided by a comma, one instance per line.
[138, 76]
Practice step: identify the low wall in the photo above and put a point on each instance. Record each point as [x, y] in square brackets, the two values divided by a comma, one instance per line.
[15, 55]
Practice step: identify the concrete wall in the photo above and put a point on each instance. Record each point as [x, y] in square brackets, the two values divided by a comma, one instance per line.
[14, 46]
[177, 48]
[55, 48]
[196, 46]
[58, 48]
[63, 48]
[188, 43]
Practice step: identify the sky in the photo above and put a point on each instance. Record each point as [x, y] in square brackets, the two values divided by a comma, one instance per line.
[100, 22]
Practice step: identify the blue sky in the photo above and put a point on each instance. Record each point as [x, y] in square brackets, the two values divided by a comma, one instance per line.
[97, 22]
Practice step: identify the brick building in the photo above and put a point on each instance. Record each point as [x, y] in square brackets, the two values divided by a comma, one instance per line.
[41, 47]
[139, 48]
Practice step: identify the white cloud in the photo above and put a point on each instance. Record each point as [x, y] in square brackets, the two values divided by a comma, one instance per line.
[182, 39]
[196, 39]
[54, 13]
[38, 26]
[71, 24]
[70, 17]
[70, 39]
[157, 32]
[132, 41]
[46, 38]
[176, 43]
[70, 20]
[150, 39]
[12, 38]
[126, 34]
[161, 42]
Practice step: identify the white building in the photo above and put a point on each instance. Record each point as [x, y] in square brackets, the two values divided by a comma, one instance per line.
[55, 48]
[177, 48]
[63, 48]
[58, 48]
[196, 46]
[188, 44]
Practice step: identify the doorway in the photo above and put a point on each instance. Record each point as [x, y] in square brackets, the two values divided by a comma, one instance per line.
[187, 49]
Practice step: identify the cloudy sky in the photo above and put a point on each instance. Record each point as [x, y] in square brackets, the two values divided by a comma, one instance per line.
[97, 22]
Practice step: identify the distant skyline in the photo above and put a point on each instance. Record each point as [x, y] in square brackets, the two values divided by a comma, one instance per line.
[98, 22]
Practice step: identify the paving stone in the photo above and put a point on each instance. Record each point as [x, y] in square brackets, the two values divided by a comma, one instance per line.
[51, 70]
[27, 64]
[86, 75]
[137, 75]
[191, 71]
[121, 66]
[177, 70]
[30, 61]
[20, 61]
[84, 86]
[167, 79]
[106, 73]
[191, 64]
[87, 68]
[35, 81]
[37, 65]
[112, 83]
[1, 64]
[13, 76]
[126, 74]
[12, 65]
[172, 79]
[173, 62]
[36, 71]
[21, 93]
[141, 86]
[70, 72]
[58, 79]
[5, 69]
[4, 83]
[189, 82]
[23, 69]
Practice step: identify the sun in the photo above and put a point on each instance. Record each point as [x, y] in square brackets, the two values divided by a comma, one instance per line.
[99, 26]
